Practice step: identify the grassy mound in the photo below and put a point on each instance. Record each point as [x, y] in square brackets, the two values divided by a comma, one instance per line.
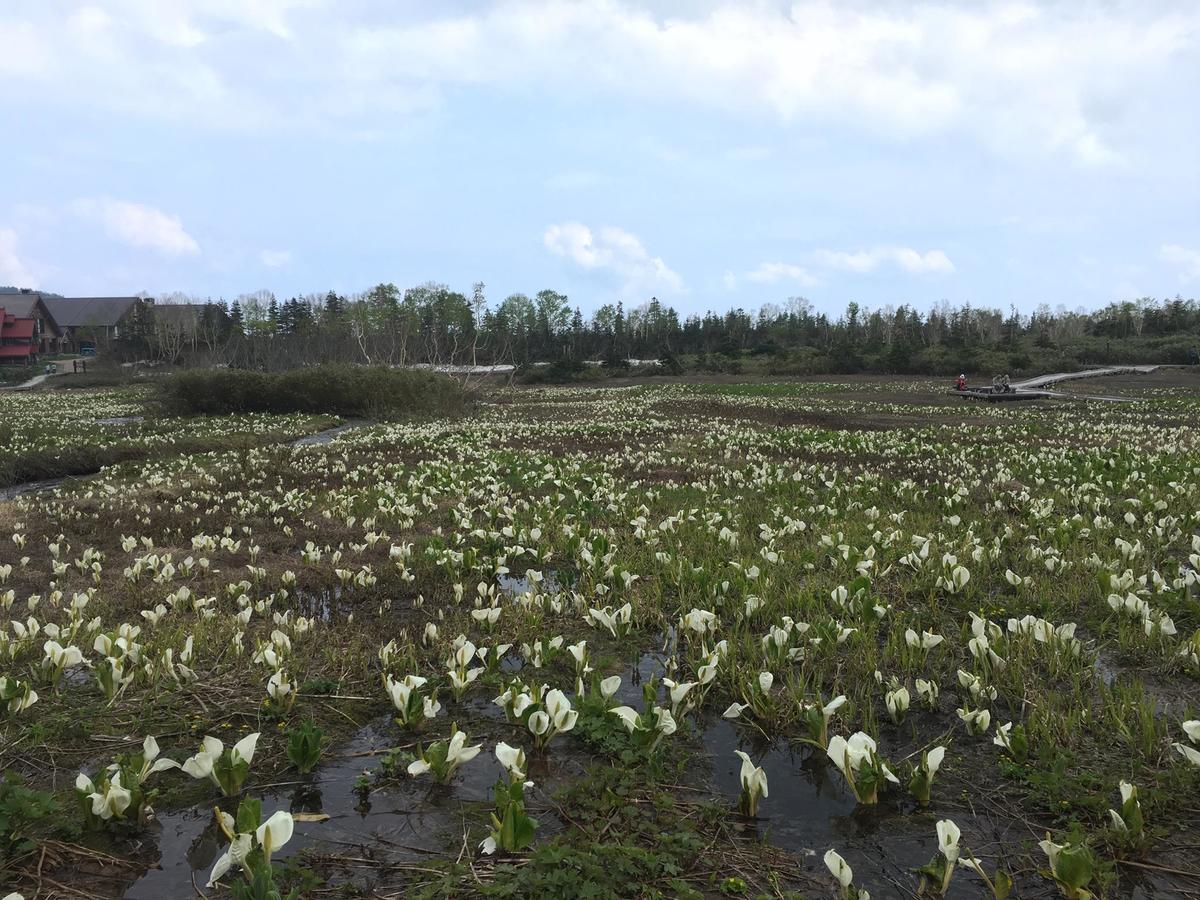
[344, 390]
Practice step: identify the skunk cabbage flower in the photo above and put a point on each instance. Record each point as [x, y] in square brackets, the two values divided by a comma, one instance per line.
[928, 692]
[512, 759]
[977, 721]
[664, 722]
[1191, 754]
[1129, 819]
[948, 837]
[629, 717]
[1070, 864]
[113, 801]
[442, 758]
[609, 686]
[861, 765]
[270, 836]
[412, 707]
[678, 691]
[227, 769]
[150, 761]
[754, 785]
[839, 868]
[925, 641]
[275, 832]
[58, 658]
[921, 783]
[18, 695]
[556, 716]
[897, 702]
[817, 717]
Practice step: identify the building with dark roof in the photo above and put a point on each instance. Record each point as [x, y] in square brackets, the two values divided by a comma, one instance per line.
[87, 321]
[32, 305]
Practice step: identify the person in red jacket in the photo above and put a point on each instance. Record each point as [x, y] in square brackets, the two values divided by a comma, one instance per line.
[960, 383]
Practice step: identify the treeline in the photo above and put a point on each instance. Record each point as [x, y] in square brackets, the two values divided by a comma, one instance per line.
[432, 324]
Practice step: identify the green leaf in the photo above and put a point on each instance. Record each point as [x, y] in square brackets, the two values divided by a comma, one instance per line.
[1074, 866]
[1004, 885]
[861, 583]
[249, 815]
[935, 869]
[523, 833]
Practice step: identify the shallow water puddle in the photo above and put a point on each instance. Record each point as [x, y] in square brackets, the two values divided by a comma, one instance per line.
[1107, 669]
[1171, 700]
[324, 437]
[30, 487]
[401, 822]
[406, 820]
[641, 670]
[324, 605]
[633, 675]
[809, 810]
[515, 585]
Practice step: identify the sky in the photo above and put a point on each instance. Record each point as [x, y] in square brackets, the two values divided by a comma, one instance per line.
[712, 154]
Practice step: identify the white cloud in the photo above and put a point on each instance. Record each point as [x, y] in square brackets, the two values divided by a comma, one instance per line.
[23, 50]
[206, 62]
[140, 226]
[918, 263]
[729, 280]
[89, 20]
[859, 261]
[614, 251]
[912, 261]
[1092, 150]
[190, 23]
[13, 271]
[275, 259]
[775, 272]
[1018, 76]
[1186, 258]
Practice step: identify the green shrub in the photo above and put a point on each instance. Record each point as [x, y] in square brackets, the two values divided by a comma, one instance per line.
[561, 371]
[717, 364]
[17, 374]
[344, 390]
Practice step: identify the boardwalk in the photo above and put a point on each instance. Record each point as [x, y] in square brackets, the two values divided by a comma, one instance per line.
[1036, 388]
[1043, 380]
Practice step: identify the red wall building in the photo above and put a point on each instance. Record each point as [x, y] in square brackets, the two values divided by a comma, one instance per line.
[18, 340]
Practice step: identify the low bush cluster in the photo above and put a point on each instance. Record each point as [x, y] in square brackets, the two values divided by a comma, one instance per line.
[344, 390]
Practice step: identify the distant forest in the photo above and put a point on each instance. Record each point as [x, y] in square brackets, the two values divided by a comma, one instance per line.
[433, 324]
